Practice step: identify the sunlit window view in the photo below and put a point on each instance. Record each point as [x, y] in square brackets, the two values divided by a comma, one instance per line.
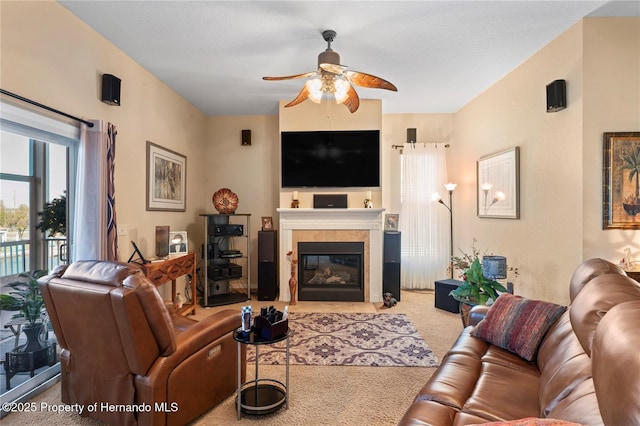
[33, 241]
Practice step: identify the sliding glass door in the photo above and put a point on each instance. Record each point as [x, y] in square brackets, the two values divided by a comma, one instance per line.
[37, 163]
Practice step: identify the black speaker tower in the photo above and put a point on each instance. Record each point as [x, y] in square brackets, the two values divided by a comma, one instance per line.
[391, 264]
[267, 265]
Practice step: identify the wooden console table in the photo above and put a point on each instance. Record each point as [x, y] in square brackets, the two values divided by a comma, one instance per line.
[177, 265]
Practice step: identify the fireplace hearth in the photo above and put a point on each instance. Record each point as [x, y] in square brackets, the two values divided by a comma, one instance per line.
[331, 271]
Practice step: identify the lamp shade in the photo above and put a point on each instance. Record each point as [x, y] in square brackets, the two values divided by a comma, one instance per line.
[494, 267]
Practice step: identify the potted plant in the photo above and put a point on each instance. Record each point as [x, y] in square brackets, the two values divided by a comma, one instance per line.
[26, 299]
[53, 218]
[477, 289]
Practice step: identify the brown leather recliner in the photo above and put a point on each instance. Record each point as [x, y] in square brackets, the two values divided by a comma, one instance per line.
[125, 358]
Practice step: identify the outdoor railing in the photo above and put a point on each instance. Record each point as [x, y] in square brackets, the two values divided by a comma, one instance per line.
[14, 255]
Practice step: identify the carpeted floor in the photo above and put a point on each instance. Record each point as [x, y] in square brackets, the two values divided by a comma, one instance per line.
[349, 339]
[319, 395]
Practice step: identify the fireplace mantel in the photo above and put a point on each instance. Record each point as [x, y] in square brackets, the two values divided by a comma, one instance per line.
[333, 219]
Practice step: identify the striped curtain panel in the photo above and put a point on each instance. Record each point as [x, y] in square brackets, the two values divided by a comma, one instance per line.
[112, 228]
[94, 219]
[424, 224]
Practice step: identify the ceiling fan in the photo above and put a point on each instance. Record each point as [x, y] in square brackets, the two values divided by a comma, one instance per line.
[334, 79]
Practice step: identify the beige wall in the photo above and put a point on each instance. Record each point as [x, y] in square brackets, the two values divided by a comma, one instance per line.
[251, 172]
[52, 57]
[561, 153]
[611, 104]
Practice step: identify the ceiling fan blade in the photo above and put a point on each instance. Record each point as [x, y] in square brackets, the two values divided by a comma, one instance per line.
[332, 68]
[367, 80]
[353, 101]
[290, 77]
[302, 96]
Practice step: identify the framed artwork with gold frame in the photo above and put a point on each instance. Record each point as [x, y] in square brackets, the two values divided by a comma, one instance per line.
[621, 180]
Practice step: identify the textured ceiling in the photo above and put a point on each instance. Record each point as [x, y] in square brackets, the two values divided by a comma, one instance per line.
[440, 54]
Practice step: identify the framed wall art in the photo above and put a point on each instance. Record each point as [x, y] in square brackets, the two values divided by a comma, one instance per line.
[166, 179]
[499, 185]
[621, 180]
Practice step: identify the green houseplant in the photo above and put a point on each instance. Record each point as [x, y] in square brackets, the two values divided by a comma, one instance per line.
[26, 299]
[477, 289]
[54, 217]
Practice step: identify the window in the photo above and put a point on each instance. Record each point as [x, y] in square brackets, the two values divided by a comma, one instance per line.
[37, 164]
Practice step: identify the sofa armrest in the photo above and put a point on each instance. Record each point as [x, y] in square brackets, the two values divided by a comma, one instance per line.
[477, 314]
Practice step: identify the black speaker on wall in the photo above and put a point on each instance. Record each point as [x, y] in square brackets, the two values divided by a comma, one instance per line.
[391, 264]
[110, 89]
[267, 265]
[411, 135]
[246, 137]
[556, 95]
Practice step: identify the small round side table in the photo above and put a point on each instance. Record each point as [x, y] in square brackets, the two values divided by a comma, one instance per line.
[260, 396]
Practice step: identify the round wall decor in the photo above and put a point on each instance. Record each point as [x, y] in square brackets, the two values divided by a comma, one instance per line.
[225, 201]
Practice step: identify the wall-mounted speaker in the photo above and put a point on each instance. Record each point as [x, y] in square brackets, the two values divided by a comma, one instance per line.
[110, 89]
[246, 137]
[556, 95]
[411, 136]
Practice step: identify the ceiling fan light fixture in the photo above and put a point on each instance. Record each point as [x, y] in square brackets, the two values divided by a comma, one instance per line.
[314, 86]
[340, 90]
[334, 79]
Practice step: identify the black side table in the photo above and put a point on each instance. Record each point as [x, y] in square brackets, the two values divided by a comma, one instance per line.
[443, 300]
[260, 396]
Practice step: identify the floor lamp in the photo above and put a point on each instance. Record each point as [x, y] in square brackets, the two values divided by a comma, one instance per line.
[436, 197]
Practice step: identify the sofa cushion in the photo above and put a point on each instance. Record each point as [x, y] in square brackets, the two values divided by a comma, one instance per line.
[518, 324]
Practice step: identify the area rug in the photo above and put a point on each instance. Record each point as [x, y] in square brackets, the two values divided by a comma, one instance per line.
[358, 339]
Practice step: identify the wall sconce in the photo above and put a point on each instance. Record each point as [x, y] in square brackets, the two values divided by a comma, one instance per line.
[436, 197]
[497, 196]
[295, 202]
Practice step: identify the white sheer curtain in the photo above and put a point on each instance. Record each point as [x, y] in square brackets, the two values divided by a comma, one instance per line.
[424, 224]
[94, 217]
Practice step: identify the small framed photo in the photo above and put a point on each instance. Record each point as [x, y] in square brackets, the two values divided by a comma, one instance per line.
[391, 222]
[267, 223]
[178, 242]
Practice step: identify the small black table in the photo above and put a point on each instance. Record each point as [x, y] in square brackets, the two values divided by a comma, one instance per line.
[443, 300]
[260, 396]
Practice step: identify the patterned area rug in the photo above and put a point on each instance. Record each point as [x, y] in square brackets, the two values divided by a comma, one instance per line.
[361, 339]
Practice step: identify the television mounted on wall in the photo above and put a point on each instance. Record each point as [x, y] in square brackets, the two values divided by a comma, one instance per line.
[330, 159]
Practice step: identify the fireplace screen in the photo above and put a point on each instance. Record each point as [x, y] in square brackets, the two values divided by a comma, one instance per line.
[330, 271]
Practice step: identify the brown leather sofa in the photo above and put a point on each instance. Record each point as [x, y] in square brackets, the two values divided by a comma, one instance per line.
[126, 358]
[587, 369]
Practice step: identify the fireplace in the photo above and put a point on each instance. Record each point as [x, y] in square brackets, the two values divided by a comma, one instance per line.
[328, 225]
[331, 271]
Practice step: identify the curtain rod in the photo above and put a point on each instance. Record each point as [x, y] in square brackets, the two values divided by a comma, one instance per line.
[446, 145]
[29, 101]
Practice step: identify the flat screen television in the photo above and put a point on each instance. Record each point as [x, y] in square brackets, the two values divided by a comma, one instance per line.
[329, 159]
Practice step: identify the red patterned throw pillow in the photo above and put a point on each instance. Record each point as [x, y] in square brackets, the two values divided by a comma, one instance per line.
[518, 324]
